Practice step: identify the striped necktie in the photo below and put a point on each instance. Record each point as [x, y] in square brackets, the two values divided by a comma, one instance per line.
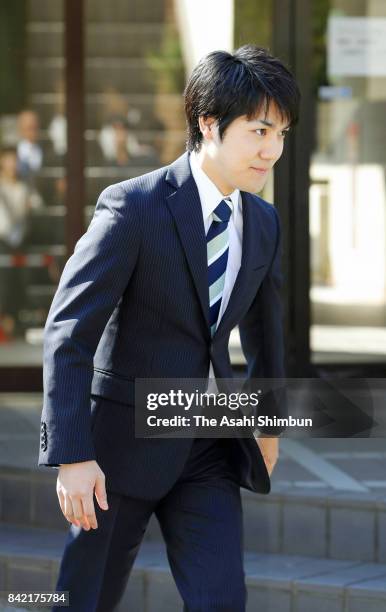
[217, 240]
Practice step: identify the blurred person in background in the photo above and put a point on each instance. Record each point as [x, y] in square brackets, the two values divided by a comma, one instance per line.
[29, 150]
[120, 145]
[17, 200]
[57, 127]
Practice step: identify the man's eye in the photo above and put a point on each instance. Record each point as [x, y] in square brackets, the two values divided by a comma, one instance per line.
[261, 130]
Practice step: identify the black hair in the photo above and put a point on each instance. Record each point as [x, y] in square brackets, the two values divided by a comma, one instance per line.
[226, 86]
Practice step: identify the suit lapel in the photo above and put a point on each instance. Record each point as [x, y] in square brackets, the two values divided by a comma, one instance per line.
[185, 206]
[251, 258]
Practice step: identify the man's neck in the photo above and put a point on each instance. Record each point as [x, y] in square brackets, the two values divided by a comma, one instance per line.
[206, 164]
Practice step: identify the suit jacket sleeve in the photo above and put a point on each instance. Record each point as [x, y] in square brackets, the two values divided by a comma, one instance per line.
[93, 280]
[262, 338]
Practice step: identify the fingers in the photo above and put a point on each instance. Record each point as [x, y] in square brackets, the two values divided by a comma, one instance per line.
[61, 501]
[270, 464]
[100, 492]
[89, 512]
[269, 448]
[78, 512]
[270, 467]
[68, 510]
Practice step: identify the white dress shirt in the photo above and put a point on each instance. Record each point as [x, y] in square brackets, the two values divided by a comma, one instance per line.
[30, 154]
[211, 197]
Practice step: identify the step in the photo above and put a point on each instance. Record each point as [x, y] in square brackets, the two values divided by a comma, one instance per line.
[46, 39]
[335, 526]
[156, 141]
[29, 560]
[149, 112]
[343, 526]
[45, 10]
[97, 179]
[123, 74]
[95, 10]
[130, 10]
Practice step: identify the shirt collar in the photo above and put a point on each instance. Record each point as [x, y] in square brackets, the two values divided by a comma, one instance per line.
[210, 195]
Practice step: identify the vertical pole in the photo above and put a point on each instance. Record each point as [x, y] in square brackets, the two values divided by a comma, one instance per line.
[292, 44]
[74, 87]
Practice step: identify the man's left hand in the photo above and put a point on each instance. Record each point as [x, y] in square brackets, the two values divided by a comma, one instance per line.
[269, 447]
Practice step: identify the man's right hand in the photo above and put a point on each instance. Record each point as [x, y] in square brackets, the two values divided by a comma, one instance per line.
[75, 489]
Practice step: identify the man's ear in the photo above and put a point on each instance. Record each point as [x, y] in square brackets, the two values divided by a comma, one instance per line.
[207, 125]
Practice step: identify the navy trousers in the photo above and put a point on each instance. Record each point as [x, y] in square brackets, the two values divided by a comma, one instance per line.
[201, 522]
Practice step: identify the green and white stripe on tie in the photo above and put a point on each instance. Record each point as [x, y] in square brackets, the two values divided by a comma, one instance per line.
[217, 252]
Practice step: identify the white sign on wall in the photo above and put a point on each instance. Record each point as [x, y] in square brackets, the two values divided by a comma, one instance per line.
[356, 46]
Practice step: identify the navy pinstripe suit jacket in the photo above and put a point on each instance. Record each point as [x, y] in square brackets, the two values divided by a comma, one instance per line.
[133, 302]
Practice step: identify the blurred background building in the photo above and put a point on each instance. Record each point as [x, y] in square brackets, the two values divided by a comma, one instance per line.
[90, 94]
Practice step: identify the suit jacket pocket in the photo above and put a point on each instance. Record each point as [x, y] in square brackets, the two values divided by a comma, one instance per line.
[113, 387]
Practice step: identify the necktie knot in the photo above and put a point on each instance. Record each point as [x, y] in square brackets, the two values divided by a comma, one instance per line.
[222, 212]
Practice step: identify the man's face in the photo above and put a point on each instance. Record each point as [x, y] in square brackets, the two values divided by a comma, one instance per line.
[29, 126]
[248, 151]
[8, 164]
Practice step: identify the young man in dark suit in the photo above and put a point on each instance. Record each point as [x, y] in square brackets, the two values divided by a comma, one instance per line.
[172, 261]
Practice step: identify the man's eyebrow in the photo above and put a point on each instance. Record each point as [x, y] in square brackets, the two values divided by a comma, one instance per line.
[269, 124]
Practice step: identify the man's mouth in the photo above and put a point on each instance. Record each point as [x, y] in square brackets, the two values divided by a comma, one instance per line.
[262, 171]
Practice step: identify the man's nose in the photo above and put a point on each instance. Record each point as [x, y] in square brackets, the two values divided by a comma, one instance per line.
[271, 151]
